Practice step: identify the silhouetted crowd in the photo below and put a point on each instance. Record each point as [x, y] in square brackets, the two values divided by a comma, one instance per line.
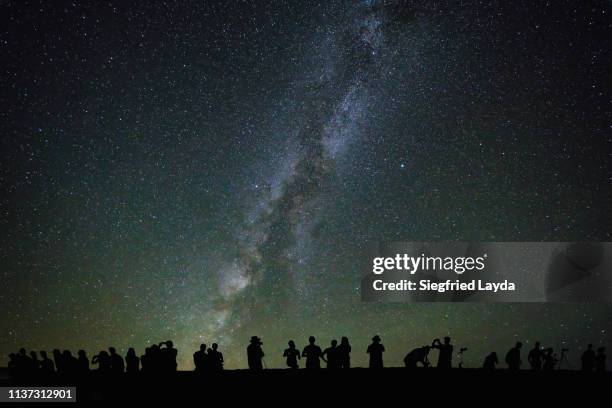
[161, 358]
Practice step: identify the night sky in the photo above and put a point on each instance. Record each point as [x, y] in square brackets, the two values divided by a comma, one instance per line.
[208, 171]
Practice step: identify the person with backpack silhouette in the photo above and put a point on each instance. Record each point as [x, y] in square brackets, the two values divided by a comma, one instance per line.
[255, 354]
[490, 362]
[313, 354]
[292, 354]
[600, 360]
[331, 354]
[535, 356]
[376, 350]
[513, 357]
[344, 353]
[215, 358]
[588, 359]
[445, 355]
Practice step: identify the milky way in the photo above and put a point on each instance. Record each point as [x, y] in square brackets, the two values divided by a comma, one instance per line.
[279, 232]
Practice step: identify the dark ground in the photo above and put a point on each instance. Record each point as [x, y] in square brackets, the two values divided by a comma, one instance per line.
[354, 386]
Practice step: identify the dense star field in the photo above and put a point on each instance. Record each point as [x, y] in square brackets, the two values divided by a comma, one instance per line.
[209, 171]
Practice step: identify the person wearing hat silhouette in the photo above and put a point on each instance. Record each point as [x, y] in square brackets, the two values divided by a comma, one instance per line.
[376, 350]
[313, 354]
[255, 354]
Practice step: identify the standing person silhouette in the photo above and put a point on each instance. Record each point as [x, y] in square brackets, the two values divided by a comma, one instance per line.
[255, 354]
[117, 364]
[376, 350]
[535, 356]
[331, 353]
[200, 359]
[167, 356]
[215, 357]
[145, 360]
[313, 354]
[292, 355]
[445, 355]
[132, 361]
[82, 361]
[588, 359]
[344, 353]
[46, 364]
[513, 357]
[34, 363]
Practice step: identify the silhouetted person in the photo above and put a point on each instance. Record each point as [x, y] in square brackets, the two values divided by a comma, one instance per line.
[117, 365]
[588, 359]
[199, 359]
[255, 354]
[46, 365]
[313, 354]
[535, 356]
[376, 350]
[82, 362]
[145, 360]
[445, 355]
[331, 355]
[168, 356]
[70, 362]
[102, 359]
[549, 359]
[292, 354]
[155, 363]
[215, 357]
[600, 360]
[131, 361]
[418, 355]
[490, 362]
[344, 353]
[34, 363]
[24, 363]
[513, 357]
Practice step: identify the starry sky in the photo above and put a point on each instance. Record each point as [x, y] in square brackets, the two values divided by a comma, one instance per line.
[208, 171]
